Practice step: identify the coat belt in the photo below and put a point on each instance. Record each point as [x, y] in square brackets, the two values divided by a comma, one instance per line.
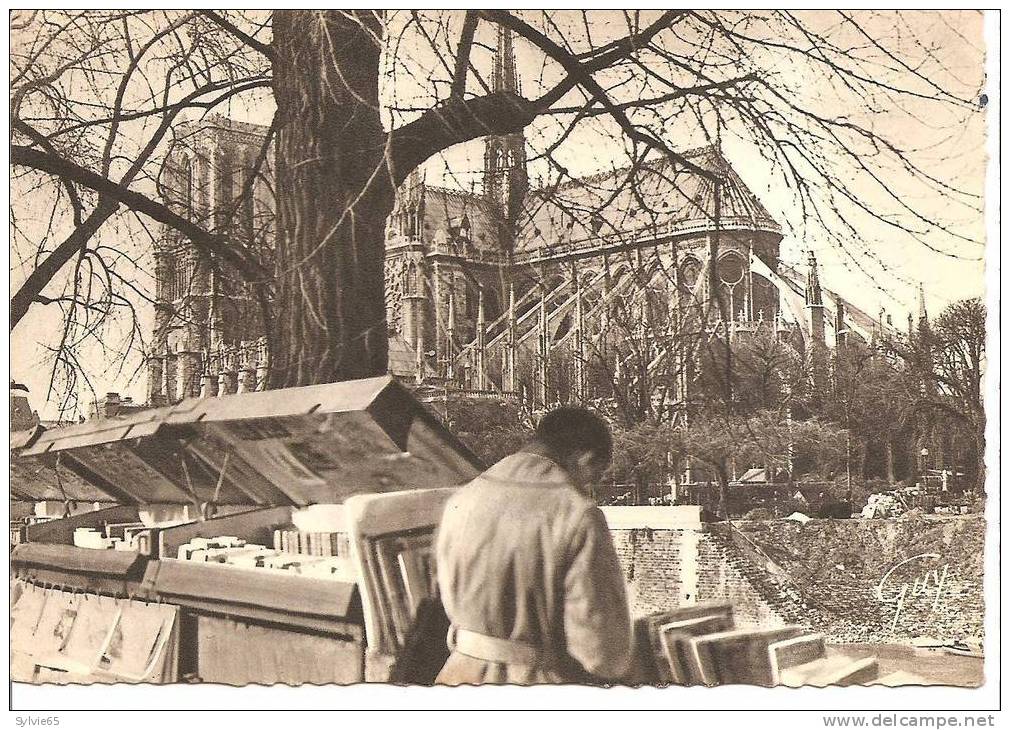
[494, 649]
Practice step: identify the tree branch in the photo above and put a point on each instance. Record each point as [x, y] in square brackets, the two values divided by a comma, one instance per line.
[38, 138]
[459, 120]
[207, 243]
[582, 74]
[44, 272]
[463, 54]
[453, 122]
[230, 27]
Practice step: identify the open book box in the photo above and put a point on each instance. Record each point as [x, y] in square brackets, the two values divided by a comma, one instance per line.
[291, 528]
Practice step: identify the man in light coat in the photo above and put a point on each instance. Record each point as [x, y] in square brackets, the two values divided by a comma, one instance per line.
[527, 570]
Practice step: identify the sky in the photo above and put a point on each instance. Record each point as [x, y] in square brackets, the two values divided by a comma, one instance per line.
[874, 266]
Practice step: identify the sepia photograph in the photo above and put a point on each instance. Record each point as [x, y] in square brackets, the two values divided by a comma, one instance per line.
[620, 349]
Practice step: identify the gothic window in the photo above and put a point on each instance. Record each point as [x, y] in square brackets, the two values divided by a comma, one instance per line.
[557, 281]
[472, 296]
[492, 305]
[689, 273]
[590, 302]
[657, 307]
[187, 186]
[168, 283]
[223, 173]
[248, 203]
[190, 276]
[621, 310]
[732, 270]
[394, 284]
[201, 181]
[413, 287]
[765, 298]
[690, 270]
[564, 327]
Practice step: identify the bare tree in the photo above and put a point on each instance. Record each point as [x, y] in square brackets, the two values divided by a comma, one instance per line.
[97, 97]
[364, 97]
[942, 367]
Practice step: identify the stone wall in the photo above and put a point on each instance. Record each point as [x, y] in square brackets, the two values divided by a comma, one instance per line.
[726, 574]
[824, 574]
[653, 563]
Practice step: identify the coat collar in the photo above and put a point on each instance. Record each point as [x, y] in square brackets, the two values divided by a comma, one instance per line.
[527, 468]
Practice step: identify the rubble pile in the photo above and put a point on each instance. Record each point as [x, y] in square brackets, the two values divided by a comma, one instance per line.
[883, 504]
[841, 568]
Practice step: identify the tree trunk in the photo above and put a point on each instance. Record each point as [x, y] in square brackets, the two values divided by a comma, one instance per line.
[979, 439]
[723, 477]
[334, 193]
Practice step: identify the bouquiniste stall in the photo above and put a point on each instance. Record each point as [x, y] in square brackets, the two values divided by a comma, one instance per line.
[277, 536]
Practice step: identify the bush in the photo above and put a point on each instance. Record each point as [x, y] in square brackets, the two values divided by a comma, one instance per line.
[835, 510]
[759, 513]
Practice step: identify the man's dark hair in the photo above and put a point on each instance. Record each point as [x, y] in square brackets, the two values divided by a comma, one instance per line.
[569, 429]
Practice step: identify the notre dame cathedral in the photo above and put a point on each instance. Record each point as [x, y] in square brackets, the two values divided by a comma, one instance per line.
[526, 291]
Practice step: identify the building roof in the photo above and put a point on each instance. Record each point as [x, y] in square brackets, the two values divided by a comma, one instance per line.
[444, 213]
[754, 476]
[402, 357]
[655, 198]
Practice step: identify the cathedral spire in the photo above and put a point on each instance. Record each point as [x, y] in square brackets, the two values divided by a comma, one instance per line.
[814, 297]
[506, 180]
[923, 317]
[506, 78]
[815, 323]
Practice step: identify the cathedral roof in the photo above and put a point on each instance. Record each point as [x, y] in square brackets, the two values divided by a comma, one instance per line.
[445, 209]
[655, 198]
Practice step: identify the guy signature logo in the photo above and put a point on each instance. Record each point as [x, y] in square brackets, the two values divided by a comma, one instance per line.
[929, 584]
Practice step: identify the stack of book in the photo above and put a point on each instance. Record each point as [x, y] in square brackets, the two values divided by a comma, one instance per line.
[324, 544]
[121, 536]
[230, 550]
[703, 645]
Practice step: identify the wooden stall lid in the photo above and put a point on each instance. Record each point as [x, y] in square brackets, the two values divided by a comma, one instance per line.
[94, 461]
[295, 446]
[39, 479]
[26, 437]
[213, 583]
[116, 563]
[255, 525]
[62, 531]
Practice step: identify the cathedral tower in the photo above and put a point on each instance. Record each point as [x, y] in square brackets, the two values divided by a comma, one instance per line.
[815, 323]
[505, 178]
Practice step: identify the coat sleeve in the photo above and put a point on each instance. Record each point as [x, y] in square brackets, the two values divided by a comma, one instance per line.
[597, 620]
